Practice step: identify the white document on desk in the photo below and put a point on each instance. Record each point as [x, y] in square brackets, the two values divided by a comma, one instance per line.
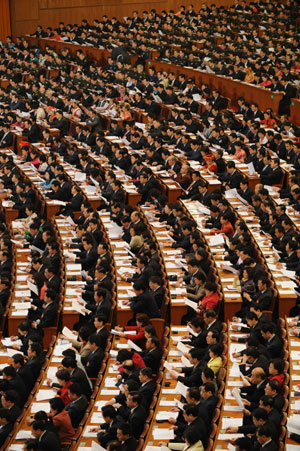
[237, 396]
[181, 389]
[134, 346]
[42, 395]
[163, 434]
[182, 347]
[216, 240]
[9, 342]
[191, 304]
[23, 435]
[165, 415]
[32, 287]
[37, 406]
[68, 333]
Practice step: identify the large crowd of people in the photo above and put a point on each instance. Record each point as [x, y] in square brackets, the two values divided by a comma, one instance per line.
[90, 104]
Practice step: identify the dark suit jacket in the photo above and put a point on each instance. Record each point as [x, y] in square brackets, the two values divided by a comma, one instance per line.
[37, 241]
[103, 308]
[206, 408]
[152, 358]
[108, 432]
[33, 133]
[7, 141]
[25, 373]
[93, 362]
[144, 303]
[247, 194]
[19, 386]
[76, 410]
[5, 431]
[87, 259]
[253, 394]
[79, 376]
[147, 391]
[198, 341]
[14, 412]
[35, 365]
[274, 347]
[263, 299]
[235, 180]
[192, 376]
[271, 446]
[49, 440]
[129, 445]
[137, 420]
[103, 334]
[49, 315]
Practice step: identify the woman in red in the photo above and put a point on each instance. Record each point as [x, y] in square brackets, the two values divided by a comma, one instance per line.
[125, 354]
[142, 320]
[61, 420]
[63, 377]
[226, 227]
[210, 165]
[268, 120]
[211, 298]
[276, 368]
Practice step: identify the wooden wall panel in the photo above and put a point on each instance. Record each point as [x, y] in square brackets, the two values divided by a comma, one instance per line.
[27, 14]
[5, 29]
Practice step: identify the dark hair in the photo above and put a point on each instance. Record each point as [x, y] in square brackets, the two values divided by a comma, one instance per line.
[260, 414]
[125, 428]
[75, 389]
[5, 413]
[274, 385]
[267, 401]
[192, 435]
[217, 349]
[57, 404]
[109, 411]
[38, 425]
[63, 375]
[194, 393]
[209, 387]
[244, 443]
[191, 409]
[278, 364]
[208, 373]
[69, 362]
[146, 372]
[11, 396]
[264, 430]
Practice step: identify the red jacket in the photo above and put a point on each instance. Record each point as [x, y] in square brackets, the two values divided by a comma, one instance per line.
[63, 426]
[280, 378]
[210, 302]
[139, 338]
[63, 393]
[137, 360]
[227, 229]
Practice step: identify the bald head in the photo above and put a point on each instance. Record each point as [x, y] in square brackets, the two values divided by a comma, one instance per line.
[257, 375]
